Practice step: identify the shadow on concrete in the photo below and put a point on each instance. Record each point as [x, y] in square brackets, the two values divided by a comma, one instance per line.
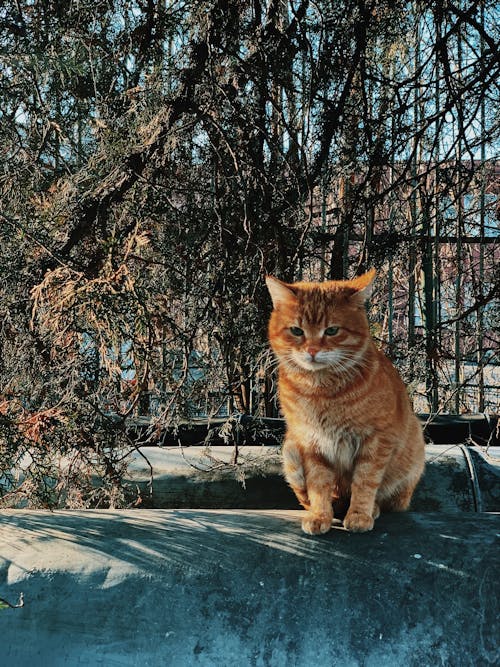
[189, 587]
[196, 538]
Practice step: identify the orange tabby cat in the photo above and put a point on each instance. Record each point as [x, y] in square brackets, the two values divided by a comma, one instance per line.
[351, 432]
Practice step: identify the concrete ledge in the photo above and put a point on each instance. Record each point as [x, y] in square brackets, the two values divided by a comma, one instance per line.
[199, 587]
[208, 478]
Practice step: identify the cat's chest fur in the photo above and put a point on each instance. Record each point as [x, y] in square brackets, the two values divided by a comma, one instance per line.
[327, 433]
[339, 446]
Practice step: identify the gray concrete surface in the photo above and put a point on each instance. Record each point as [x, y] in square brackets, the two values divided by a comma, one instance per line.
[226, 587]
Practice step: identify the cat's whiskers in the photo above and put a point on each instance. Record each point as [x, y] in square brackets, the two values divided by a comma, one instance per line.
[347, 365]
[288, 361]
[344, 364]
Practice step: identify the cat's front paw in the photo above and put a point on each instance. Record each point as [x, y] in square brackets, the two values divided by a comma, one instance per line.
[314, 524]
[358, 522]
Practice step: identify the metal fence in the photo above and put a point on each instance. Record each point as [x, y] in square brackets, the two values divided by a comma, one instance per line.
[437, 258]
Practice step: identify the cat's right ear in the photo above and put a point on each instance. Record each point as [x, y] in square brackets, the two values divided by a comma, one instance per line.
[281, 293]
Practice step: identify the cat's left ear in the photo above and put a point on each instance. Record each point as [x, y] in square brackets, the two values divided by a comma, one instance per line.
[363, 286]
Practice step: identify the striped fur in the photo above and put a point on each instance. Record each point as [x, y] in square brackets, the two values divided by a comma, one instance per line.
[352, 437]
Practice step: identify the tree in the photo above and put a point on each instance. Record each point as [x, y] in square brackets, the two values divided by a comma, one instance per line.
[160, 158]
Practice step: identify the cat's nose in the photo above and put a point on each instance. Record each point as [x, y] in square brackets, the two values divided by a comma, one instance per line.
[313, 351]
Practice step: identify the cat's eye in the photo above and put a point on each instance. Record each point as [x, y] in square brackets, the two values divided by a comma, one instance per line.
[331, 331]
[296, 331]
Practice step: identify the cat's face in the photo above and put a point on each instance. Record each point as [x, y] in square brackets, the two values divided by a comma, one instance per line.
[320, 326]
